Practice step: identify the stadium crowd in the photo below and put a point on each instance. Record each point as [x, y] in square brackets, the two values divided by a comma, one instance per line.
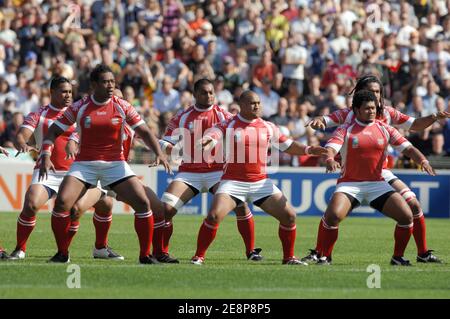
[302, 57]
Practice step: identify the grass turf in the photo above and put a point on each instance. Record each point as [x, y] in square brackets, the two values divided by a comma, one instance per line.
[226, 273]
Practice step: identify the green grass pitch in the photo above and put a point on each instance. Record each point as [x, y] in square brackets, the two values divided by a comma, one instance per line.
[226, 273]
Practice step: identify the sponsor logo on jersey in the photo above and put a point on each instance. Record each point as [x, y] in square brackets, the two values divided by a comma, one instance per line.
[101, 113]
[115, 120]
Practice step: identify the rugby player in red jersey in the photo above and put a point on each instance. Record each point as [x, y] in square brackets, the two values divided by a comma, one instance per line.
[248, 138]
[196, 174]
[390, 116]
[101, 119]
[36, 125]
[363, 147]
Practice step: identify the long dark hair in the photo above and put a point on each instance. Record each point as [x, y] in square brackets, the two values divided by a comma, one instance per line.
[362, 84]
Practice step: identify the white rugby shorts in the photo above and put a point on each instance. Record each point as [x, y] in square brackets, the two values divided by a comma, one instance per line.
[200, 181]
[104, 172]
[364, 190]
[52, 181]
[248, 191]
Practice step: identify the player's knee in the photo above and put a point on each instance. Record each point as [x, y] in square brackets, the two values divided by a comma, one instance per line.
[76, 211]
[415, 206]
[169, 211]
[141, 204]
[332, 220]
[30, 208]
[158, 214]
[60, 205]
[242, 210]
[406, 219]
[289, 218]
[104, 206]
[214, 216]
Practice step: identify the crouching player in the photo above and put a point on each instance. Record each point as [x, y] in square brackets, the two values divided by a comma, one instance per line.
[363, 147]
[101, 118]
[36, 124]
[248, 138]
[197, 175]
[83, 204]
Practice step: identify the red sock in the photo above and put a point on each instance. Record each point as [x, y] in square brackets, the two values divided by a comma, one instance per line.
[74, 225]
[102, 225]
[158, 236]
[328, 237]
[25, 226]
[287, 235]
[143, 224]
[402, 235]
[60, 227]
[246, 227]
[168, 230]
[205, 237]
[320, 237]
[419, 232]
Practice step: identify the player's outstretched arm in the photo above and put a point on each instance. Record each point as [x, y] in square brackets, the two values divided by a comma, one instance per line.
[151, 142]
[420, 159]
[21, 140]
[422, 123]
[46, 164]
[297, 148]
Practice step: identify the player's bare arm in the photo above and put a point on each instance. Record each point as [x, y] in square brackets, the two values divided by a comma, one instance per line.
[332, 165]
[21, 141]
[297, 148]
[420, 159]
[422, 123]
[317, 123]
[46, 164]
[152, 142]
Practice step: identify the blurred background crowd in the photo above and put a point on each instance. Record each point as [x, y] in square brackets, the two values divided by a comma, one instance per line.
[301, 56]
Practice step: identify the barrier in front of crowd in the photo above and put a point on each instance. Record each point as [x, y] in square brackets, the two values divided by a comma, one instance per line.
[307, 189]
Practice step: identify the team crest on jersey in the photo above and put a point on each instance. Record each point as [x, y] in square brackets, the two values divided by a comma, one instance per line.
[355, 142]
[380, 141]
[87, 122]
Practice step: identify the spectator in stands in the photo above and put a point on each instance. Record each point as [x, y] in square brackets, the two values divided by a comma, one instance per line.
[166, 99]
[8, 136]
[269, 98]
[243, 41]
[266, 69]
[281, 118]
[339, 73]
